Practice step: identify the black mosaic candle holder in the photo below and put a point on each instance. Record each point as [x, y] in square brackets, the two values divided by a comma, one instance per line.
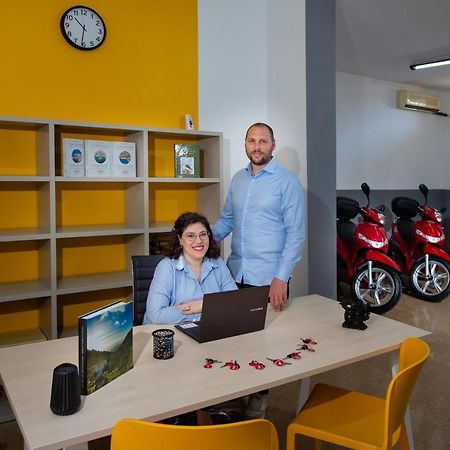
[163, 344]
[65, 398]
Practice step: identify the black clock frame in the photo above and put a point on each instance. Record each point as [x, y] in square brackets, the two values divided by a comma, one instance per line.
[63, 31]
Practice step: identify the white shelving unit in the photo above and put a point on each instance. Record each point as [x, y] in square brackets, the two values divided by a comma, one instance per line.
[46, 232]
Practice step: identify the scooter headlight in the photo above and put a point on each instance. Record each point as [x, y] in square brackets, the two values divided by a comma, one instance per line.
[432, 239]
[374, 244]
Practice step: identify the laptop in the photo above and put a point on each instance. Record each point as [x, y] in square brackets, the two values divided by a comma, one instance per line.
[229, 313]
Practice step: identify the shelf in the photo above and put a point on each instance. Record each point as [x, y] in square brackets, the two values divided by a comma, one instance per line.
[87, 283]
[25, 320]
[71, 306]
[24, 204]
[184, 180]
[98, 180]
[24, 179]
[21, 337]
[161, 227]
[96, 230]
[23, 290]
[24, 149]
[25, 268]
[92, 203]
[66, 242]
[23, 234]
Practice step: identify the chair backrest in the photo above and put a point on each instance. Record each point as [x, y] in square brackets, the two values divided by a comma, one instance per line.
[413, 354]
[259, 434]
[143, 271]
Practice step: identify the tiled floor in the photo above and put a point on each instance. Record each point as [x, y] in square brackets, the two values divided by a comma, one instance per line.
[430, 408]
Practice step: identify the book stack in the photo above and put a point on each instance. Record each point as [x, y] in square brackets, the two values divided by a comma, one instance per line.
[98, 158]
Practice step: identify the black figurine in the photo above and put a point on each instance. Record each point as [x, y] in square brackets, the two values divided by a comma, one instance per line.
[356, 313]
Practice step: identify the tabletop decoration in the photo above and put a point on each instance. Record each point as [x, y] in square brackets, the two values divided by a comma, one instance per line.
[209, 363]
[308, 341]
[232, 365]
[279, 362]
[257, 365]
[306, 347]
[293, 355]
[163, 347]
[65, 395]
[356, 313]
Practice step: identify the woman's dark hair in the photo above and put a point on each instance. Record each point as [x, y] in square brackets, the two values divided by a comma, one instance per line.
[188, 218]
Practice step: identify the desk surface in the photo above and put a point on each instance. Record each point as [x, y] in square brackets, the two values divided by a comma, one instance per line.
[156, 389]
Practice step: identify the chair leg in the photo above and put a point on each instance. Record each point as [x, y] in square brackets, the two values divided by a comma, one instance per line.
[317, 444]
[403, 439]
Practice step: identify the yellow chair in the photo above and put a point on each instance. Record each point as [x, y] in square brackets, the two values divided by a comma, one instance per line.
[360, 421]
[134, 434]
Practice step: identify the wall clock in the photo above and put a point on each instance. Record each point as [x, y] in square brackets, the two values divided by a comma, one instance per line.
[83, 28]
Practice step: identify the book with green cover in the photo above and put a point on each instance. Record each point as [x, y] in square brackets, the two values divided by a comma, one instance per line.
[187, 160]
[105, 341]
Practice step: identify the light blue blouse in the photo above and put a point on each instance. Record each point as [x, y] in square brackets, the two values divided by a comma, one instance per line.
[174, 283]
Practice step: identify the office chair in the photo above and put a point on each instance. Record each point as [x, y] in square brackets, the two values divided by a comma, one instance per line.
[131, 434]
[143, 270]
[359, 421]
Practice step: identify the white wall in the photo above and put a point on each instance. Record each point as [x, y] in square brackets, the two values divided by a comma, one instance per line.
[252, 69]
[389, 148]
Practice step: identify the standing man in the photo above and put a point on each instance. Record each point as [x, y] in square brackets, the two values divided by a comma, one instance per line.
[264, 210]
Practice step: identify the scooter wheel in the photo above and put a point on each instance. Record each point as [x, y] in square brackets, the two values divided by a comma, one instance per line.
[434, 288]
[385, 291]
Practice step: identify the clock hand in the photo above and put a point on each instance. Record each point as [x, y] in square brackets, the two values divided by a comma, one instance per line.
[82, 26]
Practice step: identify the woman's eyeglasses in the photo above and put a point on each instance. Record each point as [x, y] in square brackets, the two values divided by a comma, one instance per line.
[191, 237]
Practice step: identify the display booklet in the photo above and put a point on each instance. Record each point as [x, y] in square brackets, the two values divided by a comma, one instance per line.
[73, 157]
[98, 158]
[187, 160]
[105, 345]
[123, 162]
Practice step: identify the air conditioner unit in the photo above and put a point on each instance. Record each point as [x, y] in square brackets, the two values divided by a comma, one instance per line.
[417, 101]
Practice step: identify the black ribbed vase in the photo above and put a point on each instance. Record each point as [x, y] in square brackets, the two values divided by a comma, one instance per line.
[65, 398]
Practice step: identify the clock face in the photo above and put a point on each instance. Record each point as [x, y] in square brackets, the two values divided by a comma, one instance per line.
[83, 28]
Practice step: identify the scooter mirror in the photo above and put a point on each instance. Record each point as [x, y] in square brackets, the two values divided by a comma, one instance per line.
[366, 189]
[424, 191]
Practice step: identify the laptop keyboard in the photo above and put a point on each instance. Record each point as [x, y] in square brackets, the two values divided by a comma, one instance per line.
[195, 332]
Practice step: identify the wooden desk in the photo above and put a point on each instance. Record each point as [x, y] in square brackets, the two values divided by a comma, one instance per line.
[155, 389]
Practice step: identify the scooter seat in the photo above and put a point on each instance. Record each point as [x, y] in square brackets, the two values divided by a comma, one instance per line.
[405, 207]
[346, 208]
[346, 230]
[406, 227]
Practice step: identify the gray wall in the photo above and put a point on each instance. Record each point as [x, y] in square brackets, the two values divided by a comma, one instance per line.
[321, 145]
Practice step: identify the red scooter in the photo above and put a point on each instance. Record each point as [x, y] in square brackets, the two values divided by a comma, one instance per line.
[418, 247]
[362, 259]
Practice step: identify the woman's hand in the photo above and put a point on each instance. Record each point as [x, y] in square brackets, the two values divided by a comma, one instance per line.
[192, 307]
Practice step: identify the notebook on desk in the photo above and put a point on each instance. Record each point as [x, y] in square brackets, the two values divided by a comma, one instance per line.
[230, 313]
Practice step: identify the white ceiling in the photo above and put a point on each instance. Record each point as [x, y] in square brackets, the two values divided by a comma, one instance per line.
[381, 38]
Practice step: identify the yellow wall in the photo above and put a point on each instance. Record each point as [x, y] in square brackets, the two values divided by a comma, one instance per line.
[145, 73]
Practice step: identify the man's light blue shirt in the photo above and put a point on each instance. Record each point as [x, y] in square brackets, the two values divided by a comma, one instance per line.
[265, 213]
[174, 283]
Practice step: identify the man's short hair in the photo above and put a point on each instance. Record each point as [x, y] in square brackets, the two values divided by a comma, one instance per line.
[261, 124]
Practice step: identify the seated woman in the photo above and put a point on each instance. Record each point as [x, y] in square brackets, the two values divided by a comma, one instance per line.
[192, 268]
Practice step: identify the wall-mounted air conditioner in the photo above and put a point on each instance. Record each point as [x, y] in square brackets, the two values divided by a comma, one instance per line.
[417, 101]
